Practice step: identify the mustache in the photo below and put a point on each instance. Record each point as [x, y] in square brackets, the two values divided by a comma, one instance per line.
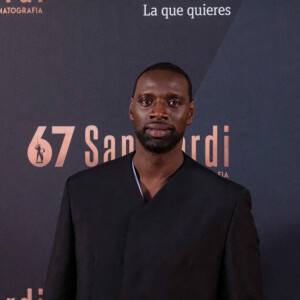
[159, 123]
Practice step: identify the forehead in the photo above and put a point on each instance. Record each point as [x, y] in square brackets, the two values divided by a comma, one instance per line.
[157, 81]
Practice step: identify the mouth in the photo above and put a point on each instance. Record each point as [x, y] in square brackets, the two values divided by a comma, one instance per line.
[158, 130]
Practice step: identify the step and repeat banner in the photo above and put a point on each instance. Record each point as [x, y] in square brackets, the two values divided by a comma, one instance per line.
[67, 73]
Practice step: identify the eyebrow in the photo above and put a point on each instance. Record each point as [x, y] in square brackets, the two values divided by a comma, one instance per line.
[170, 95]
[145, 94]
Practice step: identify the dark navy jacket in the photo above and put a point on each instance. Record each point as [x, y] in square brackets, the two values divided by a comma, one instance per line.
[196, 239]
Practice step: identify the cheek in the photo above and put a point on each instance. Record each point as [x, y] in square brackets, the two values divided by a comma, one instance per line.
[141, 115]
[138, 119]
[181, 122]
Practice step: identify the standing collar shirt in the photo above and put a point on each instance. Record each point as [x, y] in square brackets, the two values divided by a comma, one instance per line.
[146, 196]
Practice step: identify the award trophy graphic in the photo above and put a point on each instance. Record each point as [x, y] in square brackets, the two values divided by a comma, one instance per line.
[39, 154]
[39, 150]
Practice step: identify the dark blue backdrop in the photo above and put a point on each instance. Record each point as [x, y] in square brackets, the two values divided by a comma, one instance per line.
[75, 64]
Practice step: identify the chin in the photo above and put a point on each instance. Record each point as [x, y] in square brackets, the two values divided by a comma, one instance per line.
[159, 146]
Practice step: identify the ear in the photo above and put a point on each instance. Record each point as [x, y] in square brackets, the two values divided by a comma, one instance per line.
[130, 109]
[191, 113]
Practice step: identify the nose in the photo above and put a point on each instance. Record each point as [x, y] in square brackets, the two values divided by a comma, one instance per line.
[159, 111]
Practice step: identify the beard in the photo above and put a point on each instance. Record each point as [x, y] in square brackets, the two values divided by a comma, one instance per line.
[158, 144]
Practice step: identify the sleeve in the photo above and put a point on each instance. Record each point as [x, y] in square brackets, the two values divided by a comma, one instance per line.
[61, 275]
[240, 276]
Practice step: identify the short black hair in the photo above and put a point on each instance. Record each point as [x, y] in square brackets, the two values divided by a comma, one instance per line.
[168, 67]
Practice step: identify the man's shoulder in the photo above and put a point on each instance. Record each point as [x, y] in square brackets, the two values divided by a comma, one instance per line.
[104, 170]
[199, 173]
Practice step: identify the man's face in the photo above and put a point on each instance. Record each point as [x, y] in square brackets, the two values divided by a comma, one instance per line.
[160, 110]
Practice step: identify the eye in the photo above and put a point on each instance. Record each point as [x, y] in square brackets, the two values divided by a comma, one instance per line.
[174, 102]
[146, 101]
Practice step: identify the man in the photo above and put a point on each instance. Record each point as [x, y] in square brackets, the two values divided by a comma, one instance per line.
[155, 224]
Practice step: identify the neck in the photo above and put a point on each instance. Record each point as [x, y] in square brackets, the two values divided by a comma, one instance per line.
[158, 165]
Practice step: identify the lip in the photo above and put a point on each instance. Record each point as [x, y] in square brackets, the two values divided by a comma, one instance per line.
[158, 130]
[158, 126]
